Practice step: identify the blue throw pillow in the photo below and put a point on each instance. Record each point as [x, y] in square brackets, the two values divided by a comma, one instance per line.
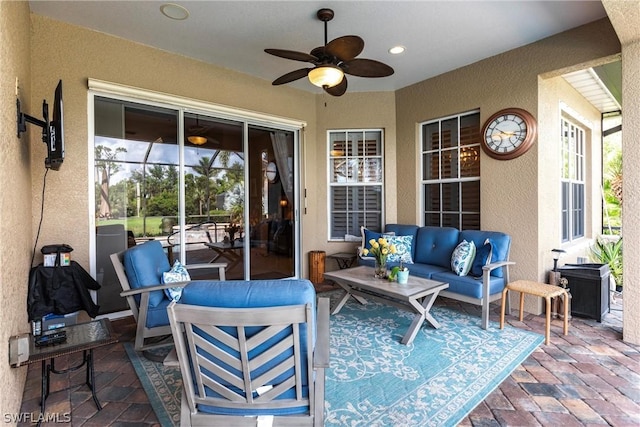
[178, 273]
[462, 257]
[483, 257]
[403, 249]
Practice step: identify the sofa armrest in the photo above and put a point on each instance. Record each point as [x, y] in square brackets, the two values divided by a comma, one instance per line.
[494, 265]
[321, 353]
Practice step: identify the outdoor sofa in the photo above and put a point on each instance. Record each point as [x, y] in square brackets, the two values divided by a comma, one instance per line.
[431, 249]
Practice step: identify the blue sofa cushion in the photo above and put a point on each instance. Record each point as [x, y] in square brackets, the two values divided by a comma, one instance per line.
[501, 245]
[254, 293]
[468, 285]
[144, 265]
[434, 245]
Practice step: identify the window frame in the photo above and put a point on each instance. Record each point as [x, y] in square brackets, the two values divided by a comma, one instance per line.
[331, 184]
[573, 180]
[460, 178]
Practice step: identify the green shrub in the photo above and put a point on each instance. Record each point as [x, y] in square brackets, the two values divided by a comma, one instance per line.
[609, 252]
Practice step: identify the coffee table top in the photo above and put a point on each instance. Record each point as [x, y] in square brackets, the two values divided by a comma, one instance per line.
[362, 277]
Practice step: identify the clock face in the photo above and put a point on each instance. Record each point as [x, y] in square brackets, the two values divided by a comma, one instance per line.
[508, 134]
[271, 172]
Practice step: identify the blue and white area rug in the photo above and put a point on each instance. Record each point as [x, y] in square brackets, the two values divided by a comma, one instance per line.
[374, 380]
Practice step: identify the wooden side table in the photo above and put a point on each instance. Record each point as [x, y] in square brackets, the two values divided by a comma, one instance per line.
[541, 290]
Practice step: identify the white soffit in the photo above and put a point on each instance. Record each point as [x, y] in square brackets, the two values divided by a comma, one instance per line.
[593, 89]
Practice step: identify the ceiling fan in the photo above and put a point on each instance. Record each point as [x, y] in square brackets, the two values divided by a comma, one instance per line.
[198, 134]
[332, 61]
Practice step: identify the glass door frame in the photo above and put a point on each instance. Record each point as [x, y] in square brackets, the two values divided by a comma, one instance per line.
[184, 105]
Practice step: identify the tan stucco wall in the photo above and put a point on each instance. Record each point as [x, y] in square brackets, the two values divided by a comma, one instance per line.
[510, 199]
[15, 203]
[552, 92]
[74, 54]
[625, 16]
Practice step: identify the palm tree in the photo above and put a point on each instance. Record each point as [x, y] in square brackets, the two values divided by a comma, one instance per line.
[207, 171]
[107, 166]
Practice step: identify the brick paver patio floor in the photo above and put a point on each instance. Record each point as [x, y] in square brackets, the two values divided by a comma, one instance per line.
[589, 377]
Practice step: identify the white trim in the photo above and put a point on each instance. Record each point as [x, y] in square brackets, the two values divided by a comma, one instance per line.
[183, 102]
[331, 185]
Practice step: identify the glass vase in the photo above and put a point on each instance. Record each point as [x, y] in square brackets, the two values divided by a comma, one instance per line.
[380, 269]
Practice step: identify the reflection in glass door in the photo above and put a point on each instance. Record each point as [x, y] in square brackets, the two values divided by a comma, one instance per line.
[209, 189]
[271, 207]
[136, 184]
[214, 192]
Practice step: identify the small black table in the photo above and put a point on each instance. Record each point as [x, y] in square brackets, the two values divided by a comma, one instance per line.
[83, 337]
[344, 259]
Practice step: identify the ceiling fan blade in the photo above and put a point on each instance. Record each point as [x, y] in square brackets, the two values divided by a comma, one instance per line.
[345, 48]
[292, 54]
[339, 89]
[293, 75]
[366, 68]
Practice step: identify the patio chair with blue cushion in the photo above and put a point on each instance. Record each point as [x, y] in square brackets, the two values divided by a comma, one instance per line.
[251, 353]
[140, 272]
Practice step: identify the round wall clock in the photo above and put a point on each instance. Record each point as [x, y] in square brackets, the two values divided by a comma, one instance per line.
[271, 172]
[508, 133]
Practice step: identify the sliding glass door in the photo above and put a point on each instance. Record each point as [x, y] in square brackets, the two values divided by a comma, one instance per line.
[210, 189]
[272, 201]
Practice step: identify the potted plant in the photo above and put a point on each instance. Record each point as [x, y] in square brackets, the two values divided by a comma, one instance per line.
[609, 252]
[380, 249]
[400, 273]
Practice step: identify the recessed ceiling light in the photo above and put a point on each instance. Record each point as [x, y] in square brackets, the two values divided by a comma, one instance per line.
[396, 50]
[174, 11]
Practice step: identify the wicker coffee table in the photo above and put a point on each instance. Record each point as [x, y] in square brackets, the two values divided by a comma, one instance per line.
[417, 296]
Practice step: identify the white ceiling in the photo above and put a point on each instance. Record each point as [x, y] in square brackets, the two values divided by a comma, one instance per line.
[439, 36]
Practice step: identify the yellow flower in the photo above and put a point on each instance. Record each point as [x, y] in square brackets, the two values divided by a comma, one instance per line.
[375, 245]
[365, 252]
[393, 249]
[385, 251]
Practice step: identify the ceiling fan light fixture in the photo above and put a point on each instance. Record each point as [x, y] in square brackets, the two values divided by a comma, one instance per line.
[326, 76]
[197, 140]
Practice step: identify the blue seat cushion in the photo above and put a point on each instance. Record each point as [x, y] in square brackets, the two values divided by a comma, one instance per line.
[254, 293]
[468, 285]
[420, 270]
[158, 315]
[144, 265]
